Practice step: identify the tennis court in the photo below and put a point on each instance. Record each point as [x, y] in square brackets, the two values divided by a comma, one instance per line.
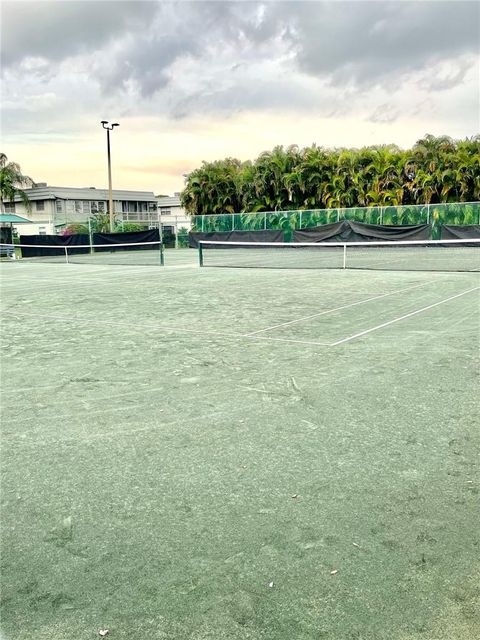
[193, 453]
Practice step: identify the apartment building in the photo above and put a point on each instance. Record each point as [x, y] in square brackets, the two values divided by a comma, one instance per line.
[54, 208]
[172, 215]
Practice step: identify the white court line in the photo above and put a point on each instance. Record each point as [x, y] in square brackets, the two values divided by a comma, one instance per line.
[172, 330]
[13, 313]
[345, 306]
[18, 438]
[407, 315]
[215, 334]
[251, 337]
[91, 411]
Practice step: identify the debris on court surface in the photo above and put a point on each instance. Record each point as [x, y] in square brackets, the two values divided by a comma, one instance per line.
[294, 384]
[103, 632]
[104, 479]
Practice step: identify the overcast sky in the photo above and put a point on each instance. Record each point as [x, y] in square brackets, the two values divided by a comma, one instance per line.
[193, 81]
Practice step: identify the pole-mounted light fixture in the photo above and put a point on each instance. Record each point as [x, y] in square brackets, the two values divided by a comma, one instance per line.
[105, 125]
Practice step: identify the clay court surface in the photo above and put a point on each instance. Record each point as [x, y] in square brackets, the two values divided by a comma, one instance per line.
[239, 454]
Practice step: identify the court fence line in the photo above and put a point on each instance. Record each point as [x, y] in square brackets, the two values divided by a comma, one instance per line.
[432, 214]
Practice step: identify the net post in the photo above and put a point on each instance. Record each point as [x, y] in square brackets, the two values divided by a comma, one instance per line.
[66, 253]
[90, 237]
[200, 254]
[162, 257]
[344, 256]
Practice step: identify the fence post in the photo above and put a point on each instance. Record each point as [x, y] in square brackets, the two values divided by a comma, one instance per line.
[176, 232]
[428, 213]
[300, 221]
[381, 215]
[233, 222]
[202, 223]
[265, 221]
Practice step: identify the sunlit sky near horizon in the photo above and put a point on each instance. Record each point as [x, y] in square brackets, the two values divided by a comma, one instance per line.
[193, 81]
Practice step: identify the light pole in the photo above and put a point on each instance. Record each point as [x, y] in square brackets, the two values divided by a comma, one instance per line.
[110, 198]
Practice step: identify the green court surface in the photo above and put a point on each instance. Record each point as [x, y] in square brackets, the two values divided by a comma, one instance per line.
[233, 454]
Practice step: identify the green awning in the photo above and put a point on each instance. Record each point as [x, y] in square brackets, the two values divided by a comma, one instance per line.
[12, 218]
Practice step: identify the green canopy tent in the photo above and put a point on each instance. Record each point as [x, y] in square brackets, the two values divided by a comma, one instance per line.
[7, 220]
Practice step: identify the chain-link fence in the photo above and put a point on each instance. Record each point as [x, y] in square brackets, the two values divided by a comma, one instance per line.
[434, 214]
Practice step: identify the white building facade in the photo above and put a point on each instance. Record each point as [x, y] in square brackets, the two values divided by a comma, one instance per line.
[172, 215]
[52, 209]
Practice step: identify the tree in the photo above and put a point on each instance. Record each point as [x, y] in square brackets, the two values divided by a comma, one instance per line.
[434, 170]
[213, 188]
[12, 182]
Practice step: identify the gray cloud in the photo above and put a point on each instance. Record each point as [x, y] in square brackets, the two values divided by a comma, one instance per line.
[189, 57]
[384, 113]
[56, 30]
[369, 42]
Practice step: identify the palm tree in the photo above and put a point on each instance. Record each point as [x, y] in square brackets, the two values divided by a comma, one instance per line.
[11, 182]
[315, 168]
[434, 170]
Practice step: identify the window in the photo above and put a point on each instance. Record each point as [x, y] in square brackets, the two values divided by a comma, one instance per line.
[40, 204]
[86, 207]
[101, 206]
[152, 206]
[168, 228]
[165, 211]
[59, 206]
[9, 207]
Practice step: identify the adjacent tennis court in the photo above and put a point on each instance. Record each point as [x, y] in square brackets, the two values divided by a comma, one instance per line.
[193, 453]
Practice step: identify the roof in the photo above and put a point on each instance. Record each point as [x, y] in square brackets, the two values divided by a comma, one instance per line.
[11, 217]
[85, 193]
[169, 201]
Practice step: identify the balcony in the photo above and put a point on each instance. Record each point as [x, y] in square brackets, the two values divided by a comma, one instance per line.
[137, 216]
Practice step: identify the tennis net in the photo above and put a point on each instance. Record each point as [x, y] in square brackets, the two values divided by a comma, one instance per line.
[413, 255]
[131, 253]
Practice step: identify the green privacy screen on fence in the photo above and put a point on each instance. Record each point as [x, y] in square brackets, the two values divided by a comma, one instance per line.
[434, 214]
